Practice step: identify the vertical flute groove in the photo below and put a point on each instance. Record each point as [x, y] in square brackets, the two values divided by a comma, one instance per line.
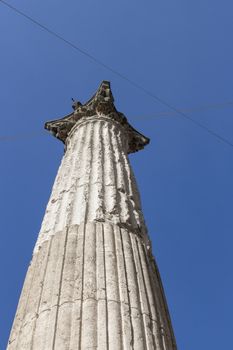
[74, 212]
[40, 295]
[84, 237]
[154, 301]
[138, 291]
[92, 283]
[81, 306]
[59, 291]
[72, 308]
[118, 280]
[127, 287]
[106, 289]
[146, 292]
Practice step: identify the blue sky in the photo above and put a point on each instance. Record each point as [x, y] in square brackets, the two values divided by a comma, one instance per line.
[179, 50]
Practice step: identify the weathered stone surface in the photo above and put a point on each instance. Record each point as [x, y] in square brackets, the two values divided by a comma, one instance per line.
[92, 288]
[101, 104]
[92, 282]
[94, 181]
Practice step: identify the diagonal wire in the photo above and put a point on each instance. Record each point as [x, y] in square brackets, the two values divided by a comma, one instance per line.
[159, 115]
[133, 83]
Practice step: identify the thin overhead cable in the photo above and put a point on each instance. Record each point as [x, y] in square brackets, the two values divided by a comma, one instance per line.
[133, 83]
[32, 134]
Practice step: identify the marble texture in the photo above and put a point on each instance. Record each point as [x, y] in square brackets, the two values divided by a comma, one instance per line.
[93, 282]
[95, 181]
[92, 286]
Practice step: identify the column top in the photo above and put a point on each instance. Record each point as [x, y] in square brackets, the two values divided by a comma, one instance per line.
[101, 104]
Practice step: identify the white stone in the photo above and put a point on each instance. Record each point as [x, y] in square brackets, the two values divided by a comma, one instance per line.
[93, 283]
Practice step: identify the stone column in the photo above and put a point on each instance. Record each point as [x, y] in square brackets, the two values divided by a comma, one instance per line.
[92, 282]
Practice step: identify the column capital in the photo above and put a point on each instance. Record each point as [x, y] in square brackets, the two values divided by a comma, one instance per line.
[101, 104]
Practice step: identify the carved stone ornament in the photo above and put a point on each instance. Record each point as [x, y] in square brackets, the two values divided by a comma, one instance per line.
[101, 105]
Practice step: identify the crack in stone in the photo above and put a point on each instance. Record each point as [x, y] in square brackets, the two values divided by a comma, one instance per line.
[36, 316]
[139, 231]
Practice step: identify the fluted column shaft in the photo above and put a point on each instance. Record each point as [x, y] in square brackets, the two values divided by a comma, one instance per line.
[94, 181]
[92, 282]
